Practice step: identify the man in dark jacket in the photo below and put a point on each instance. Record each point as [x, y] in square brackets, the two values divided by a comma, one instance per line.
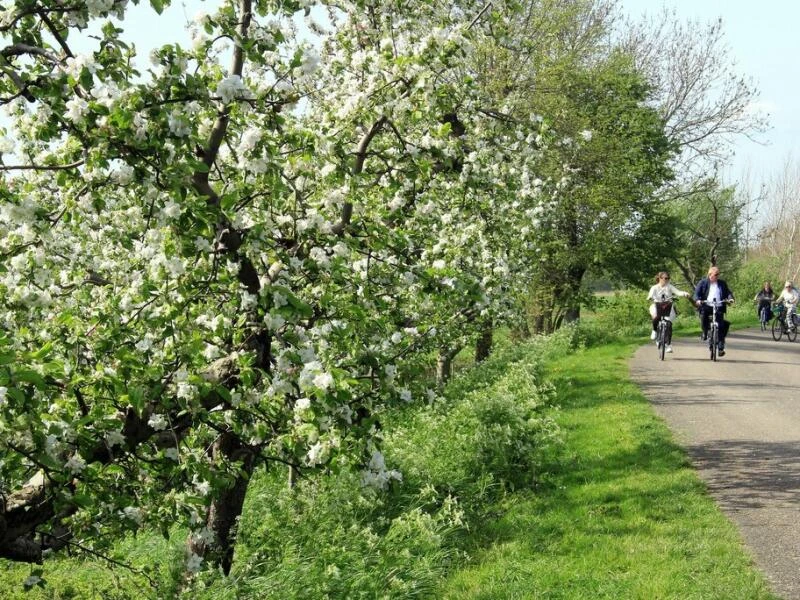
[713, 289]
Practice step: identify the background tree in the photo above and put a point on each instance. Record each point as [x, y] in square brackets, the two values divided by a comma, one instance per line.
[778, 240]
[710, 232]
[558, 60]
[705, 103]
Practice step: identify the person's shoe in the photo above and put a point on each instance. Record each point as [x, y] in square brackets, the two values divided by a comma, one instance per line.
[703, 336]
[721, 353]
[652, 335]
[668, 349]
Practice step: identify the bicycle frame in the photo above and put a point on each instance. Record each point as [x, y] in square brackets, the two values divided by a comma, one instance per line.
[780, 324]
[713, 328]
[664, 327]
[762, 317]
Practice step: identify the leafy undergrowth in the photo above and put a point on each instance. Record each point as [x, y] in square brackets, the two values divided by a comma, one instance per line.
[329, 537]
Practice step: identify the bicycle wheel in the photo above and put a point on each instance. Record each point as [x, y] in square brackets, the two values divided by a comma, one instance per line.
[777, 329]
[713, 340]
[791, 332]
[662, 341]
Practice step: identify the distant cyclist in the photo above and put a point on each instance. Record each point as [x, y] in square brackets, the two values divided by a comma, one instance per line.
[764, 299]
[662, 295]
[789, 297]
[715, 290]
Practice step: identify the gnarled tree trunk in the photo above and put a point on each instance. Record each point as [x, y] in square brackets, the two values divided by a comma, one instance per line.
[226, 509]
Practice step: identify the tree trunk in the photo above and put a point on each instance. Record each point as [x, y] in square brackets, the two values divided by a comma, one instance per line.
[444, 365]
[572, 314]
[226, 509]
[483, 346]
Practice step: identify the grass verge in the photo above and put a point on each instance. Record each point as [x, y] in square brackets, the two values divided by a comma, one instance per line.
[621, 515]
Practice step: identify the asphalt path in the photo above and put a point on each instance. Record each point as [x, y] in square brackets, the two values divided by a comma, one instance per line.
[739, 419]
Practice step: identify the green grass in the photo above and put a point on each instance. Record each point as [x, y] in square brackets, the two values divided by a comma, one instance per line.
[621, 515]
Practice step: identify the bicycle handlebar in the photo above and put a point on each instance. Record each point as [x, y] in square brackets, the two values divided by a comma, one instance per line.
[717, 303]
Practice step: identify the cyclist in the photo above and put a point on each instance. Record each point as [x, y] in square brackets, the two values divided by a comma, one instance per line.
[789, 297]
[661, 295]
[764, 299]
[713, 289]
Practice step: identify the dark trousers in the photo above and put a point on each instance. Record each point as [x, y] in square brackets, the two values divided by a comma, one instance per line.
[765, 304]
[705, 322]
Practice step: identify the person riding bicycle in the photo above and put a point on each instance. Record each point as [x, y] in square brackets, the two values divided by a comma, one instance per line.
[789, 297]
[764, 299]
[715, 290]
[661, 296]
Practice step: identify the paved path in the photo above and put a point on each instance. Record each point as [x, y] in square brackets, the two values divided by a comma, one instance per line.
[739, 419]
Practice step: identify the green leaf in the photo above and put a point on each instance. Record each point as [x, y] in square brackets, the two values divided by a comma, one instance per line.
[42, 352]
[224, 392]
[28, 376]
[158, 5]
[83, 500]
[16, 394]
[199, 166]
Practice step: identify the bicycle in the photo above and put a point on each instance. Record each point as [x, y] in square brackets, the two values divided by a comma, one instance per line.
[780, 326]
[713, 328]
[763, 316]
[664, 331]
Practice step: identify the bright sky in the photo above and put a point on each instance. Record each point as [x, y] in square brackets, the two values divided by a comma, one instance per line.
[763, 41]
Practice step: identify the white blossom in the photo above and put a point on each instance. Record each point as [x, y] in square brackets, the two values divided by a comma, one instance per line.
[76, 107]
[323, 381]
[115, 438]
[171, 210]
[203, 487]
[157, 422]
[232, 87]
[76, 464]
[310, 61]
[194, 563]
[133, 513]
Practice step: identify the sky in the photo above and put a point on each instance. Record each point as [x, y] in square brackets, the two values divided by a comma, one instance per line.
[763, 42]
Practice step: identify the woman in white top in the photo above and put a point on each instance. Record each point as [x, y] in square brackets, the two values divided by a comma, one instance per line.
[789, 297]
[661, 296]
